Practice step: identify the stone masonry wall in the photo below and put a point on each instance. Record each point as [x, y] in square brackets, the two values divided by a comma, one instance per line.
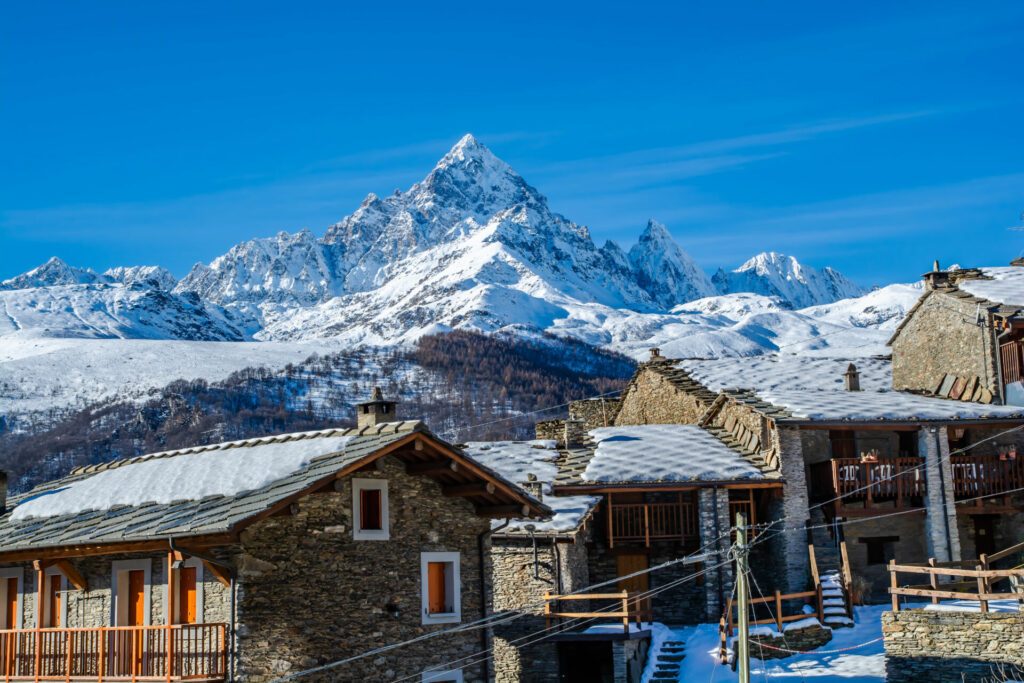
[940, 338]
[652, 399]
[561, 568]
[310, 594]
[951, 647]
[595, 412]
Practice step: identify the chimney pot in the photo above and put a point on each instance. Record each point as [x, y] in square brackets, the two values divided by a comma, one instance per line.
[851, 378]
[375, 411]
[655, 353]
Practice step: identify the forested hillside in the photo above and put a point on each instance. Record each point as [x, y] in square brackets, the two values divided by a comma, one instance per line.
[463, 384]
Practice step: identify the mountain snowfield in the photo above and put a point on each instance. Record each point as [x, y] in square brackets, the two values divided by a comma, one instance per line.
[471, 246]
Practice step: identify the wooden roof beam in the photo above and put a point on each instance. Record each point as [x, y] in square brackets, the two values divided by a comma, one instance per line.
[432, 468]
[512, 511]
[464, 490]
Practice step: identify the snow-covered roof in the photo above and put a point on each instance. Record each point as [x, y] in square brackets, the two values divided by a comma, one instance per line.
[663, 453]
[787, 372]
[1004, 285]
[865, 406]
[227, 470]
[516, 460]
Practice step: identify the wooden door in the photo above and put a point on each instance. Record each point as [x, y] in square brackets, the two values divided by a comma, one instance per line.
[631, 563]
[187, 595]
[136, 598]
[984, 534]
[11, 604]
[53, 583]
[437, 598]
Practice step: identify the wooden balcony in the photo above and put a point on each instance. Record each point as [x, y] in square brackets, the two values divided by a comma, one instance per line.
[648, 522]
[187, 652]
[901, 482]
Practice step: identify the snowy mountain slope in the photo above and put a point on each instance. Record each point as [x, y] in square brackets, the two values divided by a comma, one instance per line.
[774, 274]
[665, 271]
[101, 310]
[153, 276]
[53, 272]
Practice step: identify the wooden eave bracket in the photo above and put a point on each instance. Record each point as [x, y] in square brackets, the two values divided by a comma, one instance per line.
[70, 572]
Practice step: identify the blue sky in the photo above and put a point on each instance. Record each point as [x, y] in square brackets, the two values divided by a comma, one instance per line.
[873, 137]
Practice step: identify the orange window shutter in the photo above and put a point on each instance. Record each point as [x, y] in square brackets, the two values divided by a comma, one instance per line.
[11, 604]
[437, 598]
[136, 598]
[187, 595]
[370, 513]
[55, 597]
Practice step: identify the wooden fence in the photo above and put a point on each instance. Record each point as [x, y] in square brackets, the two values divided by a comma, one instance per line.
[630, 608]
[778, 618]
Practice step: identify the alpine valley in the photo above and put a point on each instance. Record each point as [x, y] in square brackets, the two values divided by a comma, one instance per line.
[471, 247]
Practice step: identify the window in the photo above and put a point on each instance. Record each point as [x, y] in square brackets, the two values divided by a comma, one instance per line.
[187, 592]
[440, 584]
[370, 510]
[454, 676]
[55, 607]
[10, 598]
[881, 549]
[131, 600]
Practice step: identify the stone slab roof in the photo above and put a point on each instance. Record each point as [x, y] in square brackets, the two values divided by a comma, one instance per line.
[786, 372]
[211, 515]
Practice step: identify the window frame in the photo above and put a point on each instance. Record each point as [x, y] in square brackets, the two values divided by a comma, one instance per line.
[48, 574]
[171, 592]
[454, 559]
[119, 567]
[14, 573]
[359, 534]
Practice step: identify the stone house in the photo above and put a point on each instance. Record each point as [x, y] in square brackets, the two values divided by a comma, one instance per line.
[845, 445]
[625, 501]
[964, 339]
[253, 559]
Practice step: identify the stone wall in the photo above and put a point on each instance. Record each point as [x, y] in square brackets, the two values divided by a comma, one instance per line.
[910, 548]
[951, 647]
[652, 399]
[561, 568]
[713, 506]
[595, 412]
[792, 510]
[941, 338]
[310, 594]
[799, 639]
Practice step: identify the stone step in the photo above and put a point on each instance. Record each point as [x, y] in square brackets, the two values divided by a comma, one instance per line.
[671, 658]
[838, 622]
[665, 676]
[667, 667]
[835, 602]
[835, 610]
[674, 643]
[832, 593]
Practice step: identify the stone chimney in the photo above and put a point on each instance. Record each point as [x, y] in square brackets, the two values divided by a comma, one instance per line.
[575, 432]
[937, 277]
[532, 486]
[1017, 261]
[3, 492]
[375, 411]
[655, 354]
[851, 378]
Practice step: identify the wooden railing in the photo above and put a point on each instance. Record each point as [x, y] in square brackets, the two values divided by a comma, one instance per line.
[630, 608]
[985, 475]
[727, 624]
[889, 479]
[119, 653]
[646, 522]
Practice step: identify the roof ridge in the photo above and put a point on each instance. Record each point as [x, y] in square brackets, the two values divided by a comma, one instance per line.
[388, 427]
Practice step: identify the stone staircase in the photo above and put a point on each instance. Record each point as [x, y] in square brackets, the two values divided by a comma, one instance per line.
[667, 661]
[834, 600]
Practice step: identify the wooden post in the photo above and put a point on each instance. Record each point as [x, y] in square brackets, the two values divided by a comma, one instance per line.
[821, 604]
[40, 579]
[647, 525]
[811, 553]
[67, 656]
[547, 610]
[169, 614]
[982, 590]
[933, 579]
[611, 523]
[743, 659]
[893, 584]
[100, 666]
[625, 612]
[778, 609]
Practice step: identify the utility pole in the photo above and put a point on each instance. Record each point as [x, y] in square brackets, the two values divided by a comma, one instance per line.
[742, 594]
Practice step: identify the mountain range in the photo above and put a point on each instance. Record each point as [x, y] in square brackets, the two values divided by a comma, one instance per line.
[471, 246]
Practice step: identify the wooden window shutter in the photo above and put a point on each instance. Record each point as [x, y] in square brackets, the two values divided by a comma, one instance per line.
[136, 598]
[187, 595]
[437, 598]
[11, 604]
[370, 513]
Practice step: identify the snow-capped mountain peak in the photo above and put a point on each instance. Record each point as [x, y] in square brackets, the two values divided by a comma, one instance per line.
[774, 274]
[665, 271]
[54, 272]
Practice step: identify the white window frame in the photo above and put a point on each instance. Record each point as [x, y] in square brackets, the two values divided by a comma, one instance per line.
[384, 533]
[171, 592]
[19, 574]
[454, 559]
[53, 571]
[119, 567]
[453, 675]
